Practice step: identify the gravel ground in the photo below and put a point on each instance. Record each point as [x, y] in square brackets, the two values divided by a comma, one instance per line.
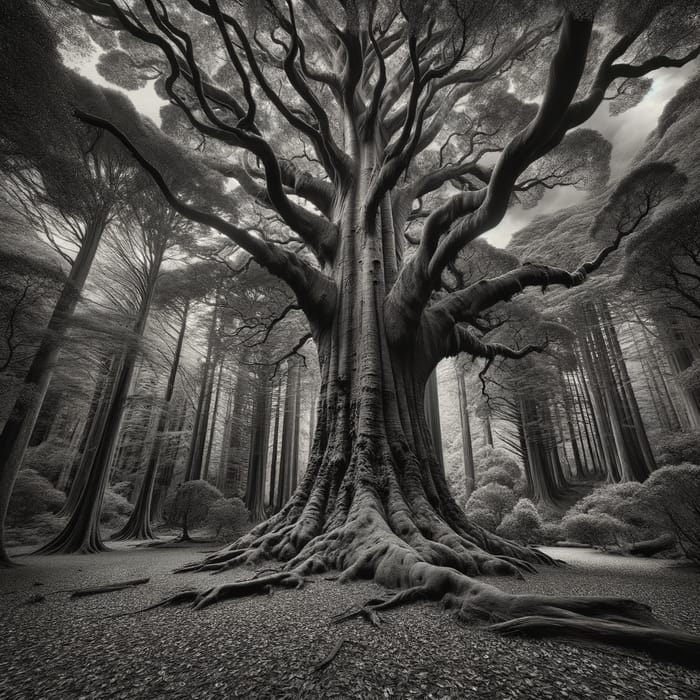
[265, 647]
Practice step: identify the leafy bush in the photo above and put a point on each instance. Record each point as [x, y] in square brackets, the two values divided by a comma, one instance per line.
[552, 533]
[621, 502]
[484, 518]
[228, 516]
[115, 509]
[672, 495]
[49, 459]
[494, 499]
[189, 505]
[599, 529]
[496, 466]
[679, 448]
[39, 530]
[33, 495]
[123, 488]
[523, 524]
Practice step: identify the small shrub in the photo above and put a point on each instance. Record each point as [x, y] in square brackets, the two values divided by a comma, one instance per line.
[679, 448]
[123, 488]
[189, 505]
[484, 518]
[494, 498]
[598, 530]
[552, 533]
[672, 496]
[496, 466]
[523, 524]
[49, 459]
[39, 530]
[227, 517]
[621, 502]
[115, 509]
[33, 495]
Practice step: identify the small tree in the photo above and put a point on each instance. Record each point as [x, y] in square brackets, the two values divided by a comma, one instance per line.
[189, 506]
[228, 516]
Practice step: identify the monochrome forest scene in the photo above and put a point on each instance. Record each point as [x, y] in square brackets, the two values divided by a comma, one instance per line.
[350, 349]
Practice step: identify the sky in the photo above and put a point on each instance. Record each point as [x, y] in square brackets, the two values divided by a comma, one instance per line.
[627, 132]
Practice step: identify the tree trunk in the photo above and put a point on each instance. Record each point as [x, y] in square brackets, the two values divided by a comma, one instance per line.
[19, 426]
[257, 462]
[432, 417]
[82, 532]
[467, 451]
[201, 419]
[289, 431]
[138, 526]
[212, 428]
[275, 444]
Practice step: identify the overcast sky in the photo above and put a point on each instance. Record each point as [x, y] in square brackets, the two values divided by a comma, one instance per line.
[627, 133]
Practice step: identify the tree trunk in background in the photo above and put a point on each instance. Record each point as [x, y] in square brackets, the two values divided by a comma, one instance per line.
[70, 473]
[138, 526]
[201, 419]
[681, 355]
[275, 444]
[82, 532]
[567, 399]
[488, 433]
[257, 461]
[289, 449]
[645, 463]
[167, 460]
[239, 445]
[225, 442]
[212, 429]
[542, 467]
[297, 428]
[18, 428]
[92, 441]
[467, 451]
[46, 418]
[432, 417]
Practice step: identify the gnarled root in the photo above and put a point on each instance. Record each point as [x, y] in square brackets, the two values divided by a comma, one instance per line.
[616, 621]
[236, 589]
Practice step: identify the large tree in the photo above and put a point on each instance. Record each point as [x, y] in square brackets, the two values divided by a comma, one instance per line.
[400, 138]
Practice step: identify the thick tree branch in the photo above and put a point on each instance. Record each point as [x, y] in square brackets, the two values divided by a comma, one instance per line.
[313, 290]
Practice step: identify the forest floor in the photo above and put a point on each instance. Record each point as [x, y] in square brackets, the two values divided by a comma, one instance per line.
[266, 647]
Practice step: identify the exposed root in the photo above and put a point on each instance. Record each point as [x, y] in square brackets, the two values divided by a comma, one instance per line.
[661, 643]
[397, 538]
[236, 589]
[333, 653]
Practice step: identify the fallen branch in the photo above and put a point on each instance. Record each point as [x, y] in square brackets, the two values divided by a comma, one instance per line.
[648, 548]
[109, 588]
